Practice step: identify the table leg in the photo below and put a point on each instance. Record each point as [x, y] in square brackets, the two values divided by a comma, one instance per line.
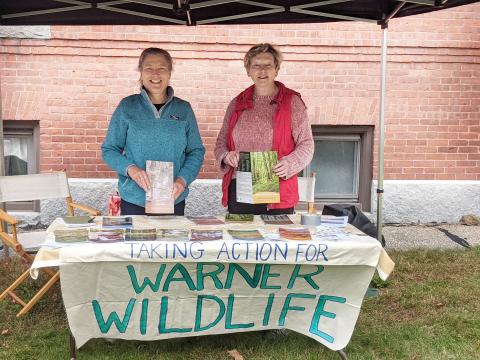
[342, 354]
[73, 348]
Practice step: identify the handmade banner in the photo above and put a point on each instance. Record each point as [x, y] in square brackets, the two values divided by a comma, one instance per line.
[159, 300]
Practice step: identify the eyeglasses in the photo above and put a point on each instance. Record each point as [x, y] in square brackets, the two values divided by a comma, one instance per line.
[261, 67]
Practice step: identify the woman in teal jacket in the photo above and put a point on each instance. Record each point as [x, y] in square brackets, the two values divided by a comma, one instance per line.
[153, 125]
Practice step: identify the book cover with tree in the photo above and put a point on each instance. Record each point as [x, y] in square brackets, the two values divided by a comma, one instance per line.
[256, 181]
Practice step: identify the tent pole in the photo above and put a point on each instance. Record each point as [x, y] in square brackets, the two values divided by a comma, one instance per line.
[2, 171]
[381, 135]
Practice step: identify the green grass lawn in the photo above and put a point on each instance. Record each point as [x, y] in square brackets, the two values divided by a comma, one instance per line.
[429, 309]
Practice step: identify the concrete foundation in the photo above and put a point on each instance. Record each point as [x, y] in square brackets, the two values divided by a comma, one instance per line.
[405, 202]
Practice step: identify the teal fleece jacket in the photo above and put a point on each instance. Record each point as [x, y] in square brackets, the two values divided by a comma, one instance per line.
[138, 132]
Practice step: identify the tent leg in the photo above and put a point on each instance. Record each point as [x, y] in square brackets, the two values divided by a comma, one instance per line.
[381, 135]
[73, 347]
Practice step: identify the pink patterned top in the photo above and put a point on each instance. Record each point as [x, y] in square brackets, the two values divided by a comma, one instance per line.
[254, 132]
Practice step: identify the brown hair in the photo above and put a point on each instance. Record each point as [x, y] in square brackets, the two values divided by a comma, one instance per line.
[154, 51]
[262, 48]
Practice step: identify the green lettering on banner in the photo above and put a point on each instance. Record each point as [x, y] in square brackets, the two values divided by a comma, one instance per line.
[268, 310]
[266, 274]
[286, 306]
[319, 311]
[228, 318]
[112, 317]
[185, 277]
[252, 281]
[307, 277]
[146, 281]
[143, 317]
[198, 316]
[162, 323]
[201, 275]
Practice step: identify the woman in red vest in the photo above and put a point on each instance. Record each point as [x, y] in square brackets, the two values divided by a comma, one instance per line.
[266, 116]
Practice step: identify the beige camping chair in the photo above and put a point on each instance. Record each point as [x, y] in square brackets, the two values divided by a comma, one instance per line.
[306, 191]
[32, 187]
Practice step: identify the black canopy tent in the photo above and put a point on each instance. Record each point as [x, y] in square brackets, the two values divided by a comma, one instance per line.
[224, 12]
[201, 12]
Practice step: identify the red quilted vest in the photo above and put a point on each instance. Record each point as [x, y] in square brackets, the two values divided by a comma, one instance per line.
[283, 141]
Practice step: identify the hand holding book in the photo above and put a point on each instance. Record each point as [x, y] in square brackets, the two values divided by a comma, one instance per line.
[140, 177]
[281, 169]
[232, 158]
[178, 187]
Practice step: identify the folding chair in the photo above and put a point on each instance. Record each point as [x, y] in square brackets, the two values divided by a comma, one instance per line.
[32, 187]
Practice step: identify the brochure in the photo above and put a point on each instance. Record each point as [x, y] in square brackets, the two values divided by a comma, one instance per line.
[117, 222]
[238, 218]
[256, 181]
[338, 221]
[246, 234]
[159, 199]
[206, 235]
[205, 220]
[276, 219]
[295, 234]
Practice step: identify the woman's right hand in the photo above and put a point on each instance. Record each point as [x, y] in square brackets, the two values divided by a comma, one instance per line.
[232, 158]
[140, 177]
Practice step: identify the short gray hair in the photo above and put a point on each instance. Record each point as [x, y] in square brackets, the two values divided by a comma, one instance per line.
[263, 48]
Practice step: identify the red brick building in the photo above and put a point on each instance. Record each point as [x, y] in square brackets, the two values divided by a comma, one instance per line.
[63, 88]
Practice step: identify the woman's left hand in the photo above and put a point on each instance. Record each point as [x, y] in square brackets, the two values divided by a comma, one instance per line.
[178, 188]
[281, 169]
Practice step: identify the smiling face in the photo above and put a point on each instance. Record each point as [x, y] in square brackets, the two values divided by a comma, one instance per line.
[155, 76]
[262, 70]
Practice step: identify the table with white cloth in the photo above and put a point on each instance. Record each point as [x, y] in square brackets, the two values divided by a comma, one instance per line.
[150, 290]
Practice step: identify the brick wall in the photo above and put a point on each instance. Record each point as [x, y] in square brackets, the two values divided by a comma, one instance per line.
[72, 83]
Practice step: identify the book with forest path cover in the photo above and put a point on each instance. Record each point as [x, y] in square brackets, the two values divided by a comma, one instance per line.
[159, 199]
[256, 181]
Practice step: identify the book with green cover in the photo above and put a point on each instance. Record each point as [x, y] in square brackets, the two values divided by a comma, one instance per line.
[238, 218]
[256, 181]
